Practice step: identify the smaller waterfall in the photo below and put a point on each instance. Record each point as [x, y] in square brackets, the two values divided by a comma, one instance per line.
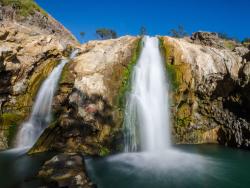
[41, 111]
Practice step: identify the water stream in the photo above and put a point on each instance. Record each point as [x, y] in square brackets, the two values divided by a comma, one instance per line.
[147, 122]
[148, 150]
[41, 111]
[149, 160]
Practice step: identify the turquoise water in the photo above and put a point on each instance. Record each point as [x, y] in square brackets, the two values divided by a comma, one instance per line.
[17, 170]
[191, 166]
[187, 166]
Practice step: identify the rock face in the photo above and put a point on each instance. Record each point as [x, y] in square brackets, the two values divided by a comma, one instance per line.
[210, 84]
[207, 39]
[210, 80]
[27, 55]
[89, 114]
[28, 14]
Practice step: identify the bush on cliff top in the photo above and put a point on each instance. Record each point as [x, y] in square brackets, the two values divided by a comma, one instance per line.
[23, 7]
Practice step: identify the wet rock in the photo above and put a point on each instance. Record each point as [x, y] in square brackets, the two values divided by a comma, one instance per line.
[28, 53]
[65, 170]
[90, 118]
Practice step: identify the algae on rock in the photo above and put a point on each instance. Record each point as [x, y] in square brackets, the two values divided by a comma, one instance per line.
[89, 120]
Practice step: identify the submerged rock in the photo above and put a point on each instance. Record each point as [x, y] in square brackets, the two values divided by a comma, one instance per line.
[65, 170]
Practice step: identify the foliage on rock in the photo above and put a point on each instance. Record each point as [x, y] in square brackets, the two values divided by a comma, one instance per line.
[23, 7]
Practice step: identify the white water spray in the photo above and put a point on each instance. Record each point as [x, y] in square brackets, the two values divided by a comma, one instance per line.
[41, 111]
[147, 120]
[148, 160]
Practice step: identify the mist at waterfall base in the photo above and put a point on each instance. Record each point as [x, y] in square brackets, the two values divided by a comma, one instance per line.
[41, 111]
[149, 160]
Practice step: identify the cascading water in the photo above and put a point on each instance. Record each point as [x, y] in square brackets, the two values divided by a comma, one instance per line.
[41, 112]
[148, 160]
[147, 109]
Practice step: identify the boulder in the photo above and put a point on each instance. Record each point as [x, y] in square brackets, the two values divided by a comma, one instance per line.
[65, 170]
[208, 39]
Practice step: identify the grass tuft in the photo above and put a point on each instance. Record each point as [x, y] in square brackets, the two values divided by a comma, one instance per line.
[127, 74]
[24, 7]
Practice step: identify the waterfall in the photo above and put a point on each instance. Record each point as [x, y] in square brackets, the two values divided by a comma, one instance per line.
[149, 159]
[147, 121]
[41, 111]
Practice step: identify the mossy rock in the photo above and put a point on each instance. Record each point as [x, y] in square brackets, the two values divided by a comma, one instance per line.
[104, 151]
[23, 103]
[183, 96]
[24, 7]
[45, 140]
[184, 111]
[127, 74]
[67, 76]
[9, 123]
[8, 119]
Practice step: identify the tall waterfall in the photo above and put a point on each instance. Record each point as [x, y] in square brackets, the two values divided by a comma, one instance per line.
[147, 119]
[41, 111]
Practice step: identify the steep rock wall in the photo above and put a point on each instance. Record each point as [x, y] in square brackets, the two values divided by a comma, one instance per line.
[27, 55]
[209, 84]
[89, 116]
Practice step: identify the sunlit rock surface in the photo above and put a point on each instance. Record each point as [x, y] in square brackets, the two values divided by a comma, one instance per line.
[28, 53]
[89, 117]
[210, 86]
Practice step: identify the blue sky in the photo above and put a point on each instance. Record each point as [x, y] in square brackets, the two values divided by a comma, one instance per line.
[158, 16]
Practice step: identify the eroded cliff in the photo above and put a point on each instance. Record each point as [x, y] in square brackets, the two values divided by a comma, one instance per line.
[89, 114]
[210, 85]
[28, 53]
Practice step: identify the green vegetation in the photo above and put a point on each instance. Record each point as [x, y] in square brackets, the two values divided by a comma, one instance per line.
[104, 33]
[82, 34]
[143, 31]
[246, 40]
[226, 37]
[171, 69]
[67, 76]
[9, 119]
[127, 73]
[104, 152]
[9, 122]
[23, 7]
[12, 133]
[172, 75]
[230, 44]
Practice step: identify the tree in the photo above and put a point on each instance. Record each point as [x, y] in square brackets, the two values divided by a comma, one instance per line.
[143, 31]
[179, 32]
[82, 34]
[225, 36]
[246, 40]
[104, 33]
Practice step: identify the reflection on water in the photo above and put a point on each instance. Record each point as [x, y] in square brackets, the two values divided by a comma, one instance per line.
[199, 166]
[17, 170]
